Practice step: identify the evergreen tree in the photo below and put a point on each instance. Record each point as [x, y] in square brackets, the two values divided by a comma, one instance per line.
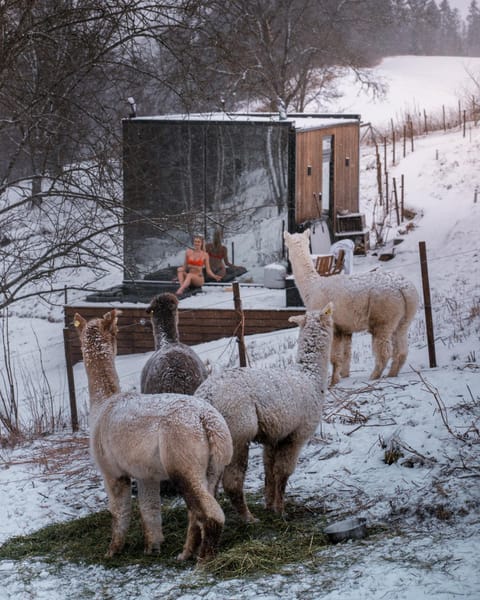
[450, 42]
[473, 30]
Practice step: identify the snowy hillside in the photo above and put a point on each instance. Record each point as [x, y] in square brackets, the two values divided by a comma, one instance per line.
[422, 510]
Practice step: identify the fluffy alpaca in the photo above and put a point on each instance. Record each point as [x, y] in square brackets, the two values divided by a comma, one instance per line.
[275, 407]
[152, 438]
[173, 367]
[380, 302]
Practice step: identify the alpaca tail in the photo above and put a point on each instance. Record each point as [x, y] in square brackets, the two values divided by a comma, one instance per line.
[412, 301]
[219, 438]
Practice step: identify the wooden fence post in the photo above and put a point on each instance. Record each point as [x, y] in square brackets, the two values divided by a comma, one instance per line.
[70, 380]
[379, 174]
[402, 197]
[395, 195]
[241, 324]
[427, 304]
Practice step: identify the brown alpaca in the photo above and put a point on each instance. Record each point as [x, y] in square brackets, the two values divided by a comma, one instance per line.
[380, 302]
[173, 367]
[278, 408]
[151, 438]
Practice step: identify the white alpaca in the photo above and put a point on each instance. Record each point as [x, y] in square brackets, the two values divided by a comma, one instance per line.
[380, 302]
[173, 367]
[152, 438]
[275, 407]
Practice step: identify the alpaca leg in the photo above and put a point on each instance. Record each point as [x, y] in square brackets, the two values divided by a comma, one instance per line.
[193, 538]
[150, 510]
[400, 350]
[233, 480]
[120, 504]
[284, 457]
[269, 465]
[382, 351]
[347, 354]
[194, 532]
[205, 518]
[336, 357]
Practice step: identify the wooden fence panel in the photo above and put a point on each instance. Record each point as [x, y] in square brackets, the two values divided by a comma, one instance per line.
[195, 326]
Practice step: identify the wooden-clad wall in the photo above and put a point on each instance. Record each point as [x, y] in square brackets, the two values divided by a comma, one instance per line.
[195, 326]
[346, 179]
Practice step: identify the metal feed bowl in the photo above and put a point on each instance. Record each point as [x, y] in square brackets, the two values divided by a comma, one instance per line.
[348, 529]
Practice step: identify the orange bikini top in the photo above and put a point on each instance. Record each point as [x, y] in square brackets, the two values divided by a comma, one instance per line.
[211, 250]
[195, 263]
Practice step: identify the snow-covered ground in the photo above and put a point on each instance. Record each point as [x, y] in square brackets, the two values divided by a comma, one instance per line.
[427, 504]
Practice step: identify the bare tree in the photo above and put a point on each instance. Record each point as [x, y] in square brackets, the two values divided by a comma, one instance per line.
[66, 69]
[274, 52]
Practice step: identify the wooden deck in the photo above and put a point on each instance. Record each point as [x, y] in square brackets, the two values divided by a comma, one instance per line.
[196, 325]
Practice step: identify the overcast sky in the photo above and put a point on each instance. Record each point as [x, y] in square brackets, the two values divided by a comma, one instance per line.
[462, 6]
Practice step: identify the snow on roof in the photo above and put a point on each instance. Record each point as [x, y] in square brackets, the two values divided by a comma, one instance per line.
[298, 121]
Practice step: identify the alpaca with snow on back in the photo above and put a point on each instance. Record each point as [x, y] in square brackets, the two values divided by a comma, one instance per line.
[380, 302]
[152, 438]
[277, 408]
[173, 367]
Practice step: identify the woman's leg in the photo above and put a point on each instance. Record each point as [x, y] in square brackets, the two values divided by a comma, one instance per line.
[191, 279]
[181, 274]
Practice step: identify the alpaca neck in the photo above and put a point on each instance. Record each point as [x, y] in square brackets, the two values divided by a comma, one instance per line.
[164, 333]
[103, 380]
[304, 273]
[311, 359]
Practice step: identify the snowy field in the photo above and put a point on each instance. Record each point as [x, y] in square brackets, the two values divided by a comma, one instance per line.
[426, 505]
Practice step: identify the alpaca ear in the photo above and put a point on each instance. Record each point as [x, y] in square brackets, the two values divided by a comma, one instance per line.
[111, 319]
[307, 233]
[286, 235]
[298, 319]
[79, 322]
[149, 308]
[328, 309]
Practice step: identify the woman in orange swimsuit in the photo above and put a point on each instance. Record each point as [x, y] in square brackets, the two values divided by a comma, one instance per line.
[191, 273]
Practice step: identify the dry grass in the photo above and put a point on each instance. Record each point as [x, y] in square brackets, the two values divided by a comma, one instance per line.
[268, 546]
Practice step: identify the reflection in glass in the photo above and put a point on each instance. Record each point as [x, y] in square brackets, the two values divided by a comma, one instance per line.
[187, 176]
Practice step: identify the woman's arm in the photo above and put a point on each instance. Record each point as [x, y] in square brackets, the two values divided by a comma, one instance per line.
[225, 257]
[210, 273]
[185, 260]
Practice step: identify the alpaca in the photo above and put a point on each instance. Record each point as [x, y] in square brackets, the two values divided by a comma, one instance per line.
[173, 367]
[277, 408]
[380, 302]
[152, 438]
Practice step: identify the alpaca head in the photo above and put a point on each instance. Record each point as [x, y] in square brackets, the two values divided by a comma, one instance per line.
[315, 336]
[98, 337]
[163, 311]
[297, 242]
[163, 303]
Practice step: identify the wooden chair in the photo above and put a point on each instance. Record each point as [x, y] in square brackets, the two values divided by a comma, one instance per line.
[324, 264]
[327, 265]
[339, 263]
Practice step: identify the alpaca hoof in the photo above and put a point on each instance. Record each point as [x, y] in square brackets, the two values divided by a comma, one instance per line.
[249, 518]
[203, 561]
[185, 555]
[152, 550]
